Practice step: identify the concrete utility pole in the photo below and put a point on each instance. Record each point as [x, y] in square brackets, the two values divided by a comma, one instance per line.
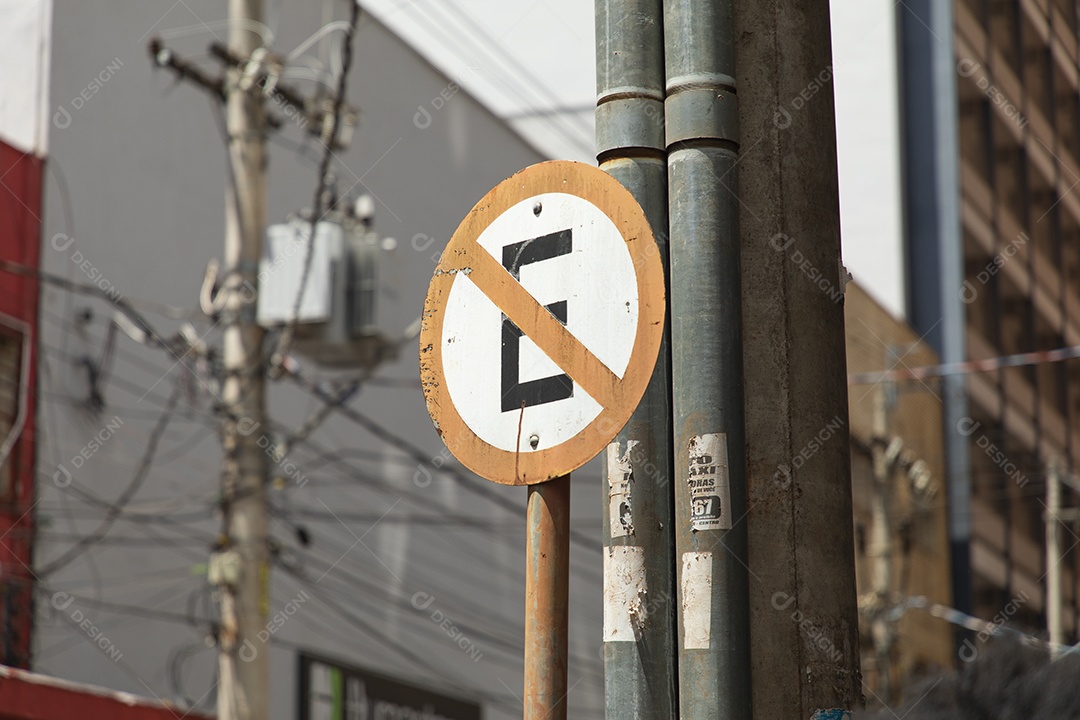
[1054, 590]
[801, 535]
[244, 665]
[702, 137]
[637, 497]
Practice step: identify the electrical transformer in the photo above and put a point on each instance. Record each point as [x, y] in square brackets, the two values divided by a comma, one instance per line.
[337, 313]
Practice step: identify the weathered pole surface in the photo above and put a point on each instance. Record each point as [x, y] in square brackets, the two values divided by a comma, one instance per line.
[637, 499]
[803, 619]
[701, 119]
[244, 669]
[547, 597]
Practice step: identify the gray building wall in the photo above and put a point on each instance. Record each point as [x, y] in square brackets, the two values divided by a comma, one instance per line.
[136, 177]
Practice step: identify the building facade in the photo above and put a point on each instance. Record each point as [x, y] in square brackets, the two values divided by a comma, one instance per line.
[389, 558]
[902, 502]
[991, 132]
[22, 167]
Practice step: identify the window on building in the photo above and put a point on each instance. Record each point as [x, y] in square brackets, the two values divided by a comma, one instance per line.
[11, 346]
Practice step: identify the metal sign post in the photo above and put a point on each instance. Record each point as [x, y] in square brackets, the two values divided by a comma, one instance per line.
[540, 332]
[547, 582]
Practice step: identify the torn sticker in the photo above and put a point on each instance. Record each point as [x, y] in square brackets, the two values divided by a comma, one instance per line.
[697, 600]
[620, 476]
[708, 481]
[624, 593]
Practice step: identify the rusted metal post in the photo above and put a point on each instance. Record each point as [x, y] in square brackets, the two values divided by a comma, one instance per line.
[547, 584]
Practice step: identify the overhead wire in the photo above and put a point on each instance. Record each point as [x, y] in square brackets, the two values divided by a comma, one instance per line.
[474, 485]
[354, 475]
[510, 641]
[584, 144]
[391, 490]
[329, 138]
[133, 487]
[200, 513]
[50, 421]
[339, 561]
[120, 303]
[400, 649]
[78, 490]
[967, 367]
[533, 80]
[117, 661]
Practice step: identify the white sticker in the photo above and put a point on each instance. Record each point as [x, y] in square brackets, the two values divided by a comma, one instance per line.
[620, 477]
[707, 478]
[697, 600]
[624, 593]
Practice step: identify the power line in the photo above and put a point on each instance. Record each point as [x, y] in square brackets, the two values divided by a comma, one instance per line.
[533, 80]
[116, 508]
[450, 43]
[1037, 357]
[472, 484]
[119, 509]
[351, 476]
[329, 138]
[551, 112]
[120, 303]
[374, 632]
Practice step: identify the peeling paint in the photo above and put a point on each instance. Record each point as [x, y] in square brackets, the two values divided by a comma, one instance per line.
[454, 271]
[697, 600]
[625, 593]
[620, 477]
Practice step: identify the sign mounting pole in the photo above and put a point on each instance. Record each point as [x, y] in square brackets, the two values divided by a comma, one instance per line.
[547, 586]
[541, 329]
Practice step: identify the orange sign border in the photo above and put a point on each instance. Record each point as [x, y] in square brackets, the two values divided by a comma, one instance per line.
[615, 201]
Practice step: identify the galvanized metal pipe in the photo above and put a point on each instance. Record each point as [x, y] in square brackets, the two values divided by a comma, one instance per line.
[701, 114]
[547, 585]
[637, 500]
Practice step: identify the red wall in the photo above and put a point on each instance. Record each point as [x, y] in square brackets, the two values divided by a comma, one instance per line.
[20, 242]
[29, 696]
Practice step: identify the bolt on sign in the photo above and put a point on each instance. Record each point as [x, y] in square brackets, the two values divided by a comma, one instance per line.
[542, 323]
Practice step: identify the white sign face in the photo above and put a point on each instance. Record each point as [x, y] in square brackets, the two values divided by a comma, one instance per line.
[542, 323]
[573, 261]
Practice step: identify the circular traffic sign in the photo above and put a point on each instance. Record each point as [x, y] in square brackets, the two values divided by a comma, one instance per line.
[542, 323]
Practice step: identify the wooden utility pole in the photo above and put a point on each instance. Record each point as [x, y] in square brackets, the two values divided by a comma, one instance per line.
[244, 591]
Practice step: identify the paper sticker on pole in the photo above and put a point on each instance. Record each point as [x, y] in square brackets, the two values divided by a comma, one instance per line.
[542, 323]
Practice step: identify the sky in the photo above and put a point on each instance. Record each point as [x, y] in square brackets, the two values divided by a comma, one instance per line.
[533, 63]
